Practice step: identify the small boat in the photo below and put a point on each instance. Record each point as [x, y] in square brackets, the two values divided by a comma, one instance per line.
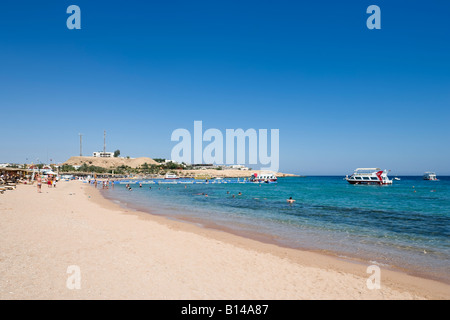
[171, 176]
[263, 178]
[431, 176]
[397, 179]
[369, 176]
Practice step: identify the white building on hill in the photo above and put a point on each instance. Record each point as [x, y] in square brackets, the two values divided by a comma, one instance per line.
[103, 154]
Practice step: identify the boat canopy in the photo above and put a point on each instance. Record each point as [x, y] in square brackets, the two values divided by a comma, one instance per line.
[368, 169]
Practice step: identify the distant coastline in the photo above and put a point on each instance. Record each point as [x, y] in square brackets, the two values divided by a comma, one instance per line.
[145, 167]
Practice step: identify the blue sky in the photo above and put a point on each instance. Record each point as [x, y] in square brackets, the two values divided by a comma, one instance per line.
[342, 96]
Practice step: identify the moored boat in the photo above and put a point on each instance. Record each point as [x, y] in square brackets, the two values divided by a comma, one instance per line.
[171, 176]
[430, 176]
[374, 176]
[263, 178]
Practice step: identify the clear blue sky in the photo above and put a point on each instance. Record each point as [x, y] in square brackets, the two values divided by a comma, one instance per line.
[341, 95]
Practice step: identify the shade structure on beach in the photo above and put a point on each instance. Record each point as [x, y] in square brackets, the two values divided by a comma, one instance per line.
[15, 170]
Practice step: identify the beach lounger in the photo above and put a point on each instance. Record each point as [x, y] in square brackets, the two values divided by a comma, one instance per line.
[7, 187]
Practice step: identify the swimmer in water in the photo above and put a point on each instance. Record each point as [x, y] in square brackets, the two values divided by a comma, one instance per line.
[240, 194]
[290, 200]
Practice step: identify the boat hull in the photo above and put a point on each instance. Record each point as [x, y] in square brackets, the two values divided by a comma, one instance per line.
[264, 180]
[379, 183]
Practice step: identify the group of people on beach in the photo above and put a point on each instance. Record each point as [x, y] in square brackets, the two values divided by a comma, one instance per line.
[50, 181]
[104, 183]
[10, 178]
[9, 182]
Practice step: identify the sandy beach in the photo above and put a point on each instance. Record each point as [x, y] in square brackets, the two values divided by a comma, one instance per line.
[124, 254]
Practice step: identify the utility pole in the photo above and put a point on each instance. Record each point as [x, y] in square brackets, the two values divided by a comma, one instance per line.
[81, 144]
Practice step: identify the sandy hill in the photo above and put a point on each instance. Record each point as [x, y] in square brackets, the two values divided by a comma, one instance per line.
[109, 162]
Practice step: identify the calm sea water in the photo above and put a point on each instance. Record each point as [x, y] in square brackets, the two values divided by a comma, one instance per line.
[406, 225]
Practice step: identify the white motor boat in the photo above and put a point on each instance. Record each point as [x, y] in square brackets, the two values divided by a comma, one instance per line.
[430, 176]
[369, 176]
[171, 176]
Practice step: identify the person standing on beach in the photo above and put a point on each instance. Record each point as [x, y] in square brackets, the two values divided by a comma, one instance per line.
[39, 183]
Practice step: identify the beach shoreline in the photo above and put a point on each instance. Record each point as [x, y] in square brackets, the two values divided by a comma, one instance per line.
[125, 254]
[218, 230]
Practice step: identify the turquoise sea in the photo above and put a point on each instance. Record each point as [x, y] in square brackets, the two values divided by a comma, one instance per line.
[404, 226]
